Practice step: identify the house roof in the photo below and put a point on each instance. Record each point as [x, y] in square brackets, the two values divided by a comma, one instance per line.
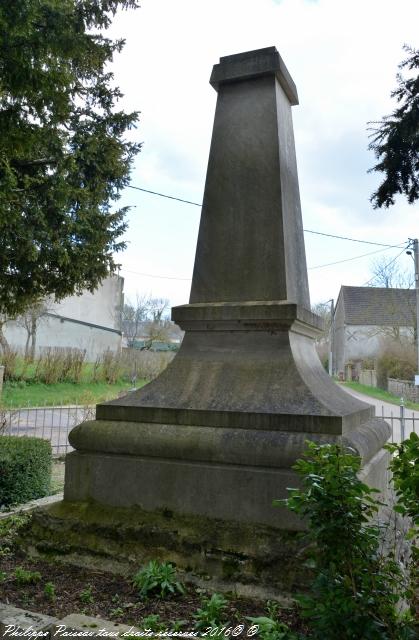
[379, 306]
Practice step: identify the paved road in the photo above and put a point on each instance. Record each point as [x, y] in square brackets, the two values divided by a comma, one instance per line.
[391, 412]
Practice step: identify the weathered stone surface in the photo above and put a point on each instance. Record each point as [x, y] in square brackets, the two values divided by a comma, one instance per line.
[252, 559]
[14, 620]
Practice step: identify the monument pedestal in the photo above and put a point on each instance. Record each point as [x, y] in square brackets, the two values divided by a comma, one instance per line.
[187, 467]
[217, 433]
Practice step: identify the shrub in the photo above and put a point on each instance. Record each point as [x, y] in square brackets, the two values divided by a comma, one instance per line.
[9, 358]
[130, 364]
[50, 366]
[49, 591]
[23, 576]
[271, 629]
[108, 367]
[146, 365]
[25, 469]
[357, 590]
[405, 469]
[57, 364]
[211, 613]
[367, 364]
[397, 360]
[73, 365]
[9, 531]
[158, 579]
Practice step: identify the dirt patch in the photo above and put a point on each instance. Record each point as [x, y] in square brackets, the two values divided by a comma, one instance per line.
[105, 595]
[114, 598]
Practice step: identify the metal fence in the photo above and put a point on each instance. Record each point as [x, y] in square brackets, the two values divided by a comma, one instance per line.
[402, 425]
[50, 423]
[55, 423]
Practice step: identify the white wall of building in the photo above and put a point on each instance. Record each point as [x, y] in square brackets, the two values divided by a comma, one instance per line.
[103, 307]
[365, 341]
[90, 321]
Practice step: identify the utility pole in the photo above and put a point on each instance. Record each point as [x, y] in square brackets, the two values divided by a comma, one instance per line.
[414, 245]
[331, 336]
[416, 258]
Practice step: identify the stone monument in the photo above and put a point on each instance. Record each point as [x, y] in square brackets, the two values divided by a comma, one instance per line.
[214, 437]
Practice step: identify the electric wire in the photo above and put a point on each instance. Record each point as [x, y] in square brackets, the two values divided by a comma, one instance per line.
[371, 253]
[318, 233]
[388, 264]
[320, 266]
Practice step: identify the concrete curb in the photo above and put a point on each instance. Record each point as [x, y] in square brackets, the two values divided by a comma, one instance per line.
[19, 623]
[33, 504]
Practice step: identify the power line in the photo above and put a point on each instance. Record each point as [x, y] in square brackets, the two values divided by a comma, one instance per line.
[318, 233]
[164, 195]
[329, 264]
[151, 275]
[388, 264]
[329, 235]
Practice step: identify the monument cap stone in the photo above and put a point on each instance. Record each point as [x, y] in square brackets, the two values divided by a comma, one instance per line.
[251, 64]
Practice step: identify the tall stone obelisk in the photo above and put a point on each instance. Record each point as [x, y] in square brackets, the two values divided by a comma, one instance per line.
[216, 434]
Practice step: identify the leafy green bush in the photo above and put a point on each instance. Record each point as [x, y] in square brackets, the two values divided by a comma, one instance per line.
[157, 578]
[9, 531]
[397, 360]
[271, 629]
[153, 622]
[357, 590]
[211, 612]
[23, 576]
[405, 470]
[49, 591]
[25, 469]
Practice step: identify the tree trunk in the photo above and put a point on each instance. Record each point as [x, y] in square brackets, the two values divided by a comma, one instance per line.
[28, 336]
[3, 341]
[33, 344]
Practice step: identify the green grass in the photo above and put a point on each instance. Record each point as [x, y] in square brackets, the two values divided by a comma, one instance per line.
[36, 394]
[380, 394]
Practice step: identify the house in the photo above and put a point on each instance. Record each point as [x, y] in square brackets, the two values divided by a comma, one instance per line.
[90, 321]
[363, 317]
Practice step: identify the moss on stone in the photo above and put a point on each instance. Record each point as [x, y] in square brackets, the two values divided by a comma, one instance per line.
[120, 539]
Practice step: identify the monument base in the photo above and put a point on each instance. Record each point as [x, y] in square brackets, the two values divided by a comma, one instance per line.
[229, 553]
[233, 493]
[251, 560]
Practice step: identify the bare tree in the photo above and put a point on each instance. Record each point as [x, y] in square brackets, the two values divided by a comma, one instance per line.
[133, 314]
[157, 330]
[30, 322]
[157, 309]
[148, 316]
[323, 310]
[387, 274]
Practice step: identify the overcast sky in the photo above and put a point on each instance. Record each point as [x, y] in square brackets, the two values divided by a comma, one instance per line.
[343, 57]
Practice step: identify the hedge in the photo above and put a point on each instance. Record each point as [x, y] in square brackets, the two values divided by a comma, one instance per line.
[25, 469]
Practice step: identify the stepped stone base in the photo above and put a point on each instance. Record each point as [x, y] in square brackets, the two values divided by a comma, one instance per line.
[253, 560]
